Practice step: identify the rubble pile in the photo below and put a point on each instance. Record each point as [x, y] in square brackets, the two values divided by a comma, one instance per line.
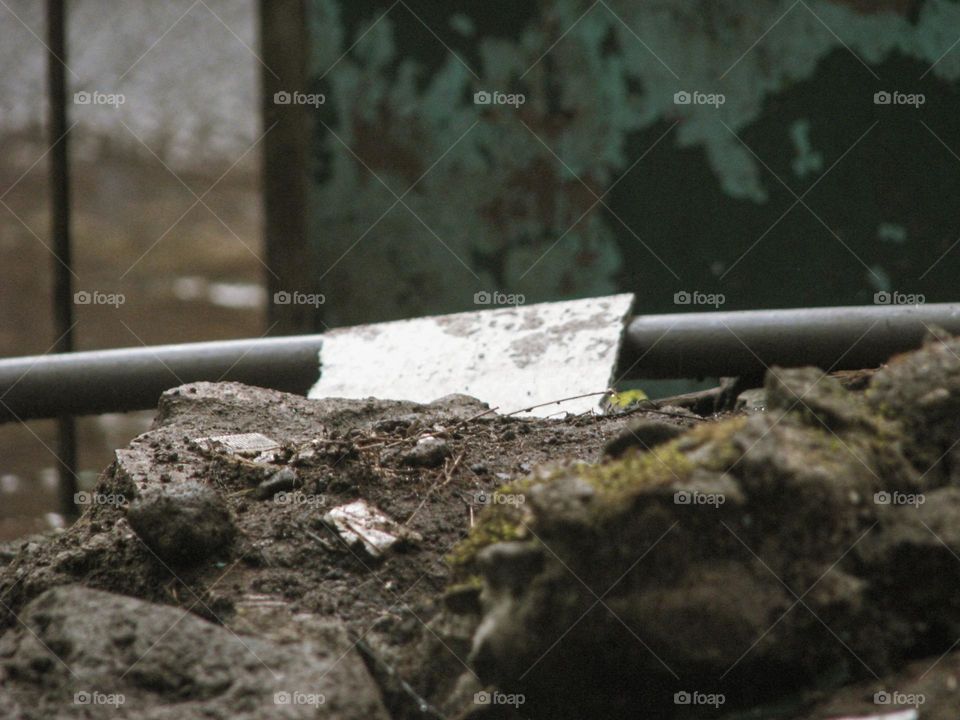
[257, 554]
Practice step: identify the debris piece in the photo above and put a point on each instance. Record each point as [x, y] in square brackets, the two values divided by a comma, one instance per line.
[360, 522]
[243, 444]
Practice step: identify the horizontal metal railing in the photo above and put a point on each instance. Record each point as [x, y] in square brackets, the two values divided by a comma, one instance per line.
[689, 345]
[720, 344]
[99, 381]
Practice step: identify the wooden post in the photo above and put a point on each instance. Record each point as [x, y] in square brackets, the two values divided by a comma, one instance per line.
[289, 253]
[60, 228]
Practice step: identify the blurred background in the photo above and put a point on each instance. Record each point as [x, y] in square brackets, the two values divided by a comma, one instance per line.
[395, 158]
[190, 120]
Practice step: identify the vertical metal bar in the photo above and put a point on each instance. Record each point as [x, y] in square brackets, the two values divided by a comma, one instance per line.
[60, 226]
[290, 256]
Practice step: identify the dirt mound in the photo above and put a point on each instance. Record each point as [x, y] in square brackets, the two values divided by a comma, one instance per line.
[429, 468]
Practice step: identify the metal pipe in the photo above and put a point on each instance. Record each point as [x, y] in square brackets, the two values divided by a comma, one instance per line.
[718, 344]
[102, 381]
[656, 346]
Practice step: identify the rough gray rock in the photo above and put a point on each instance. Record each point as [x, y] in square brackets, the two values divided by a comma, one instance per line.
[921, 391]
[761, 557]
[182, 522]
[77, 652]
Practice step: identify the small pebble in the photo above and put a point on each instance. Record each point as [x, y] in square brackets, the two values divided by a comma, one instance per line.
[429, 452]
[642, 435]
[281, 481]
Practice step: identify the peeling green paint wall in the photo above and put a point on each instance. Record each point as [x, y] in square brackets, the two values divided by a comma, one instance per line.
[601, 181]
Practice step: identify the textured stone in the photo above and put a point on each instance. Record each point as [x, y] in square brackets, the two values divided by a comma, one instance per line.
[167, 664]
[183, 522]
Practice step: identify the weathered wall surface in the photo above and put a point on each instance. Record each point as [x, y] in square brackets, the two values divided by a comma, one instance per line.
[601, 181]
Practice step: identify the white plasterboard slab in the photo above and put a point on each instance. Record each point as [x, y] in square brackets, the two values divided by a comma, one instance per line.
[511, 358]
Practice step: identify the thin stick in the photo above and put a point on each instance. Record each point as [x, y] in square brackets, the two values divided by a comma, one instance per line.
[557, 402]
